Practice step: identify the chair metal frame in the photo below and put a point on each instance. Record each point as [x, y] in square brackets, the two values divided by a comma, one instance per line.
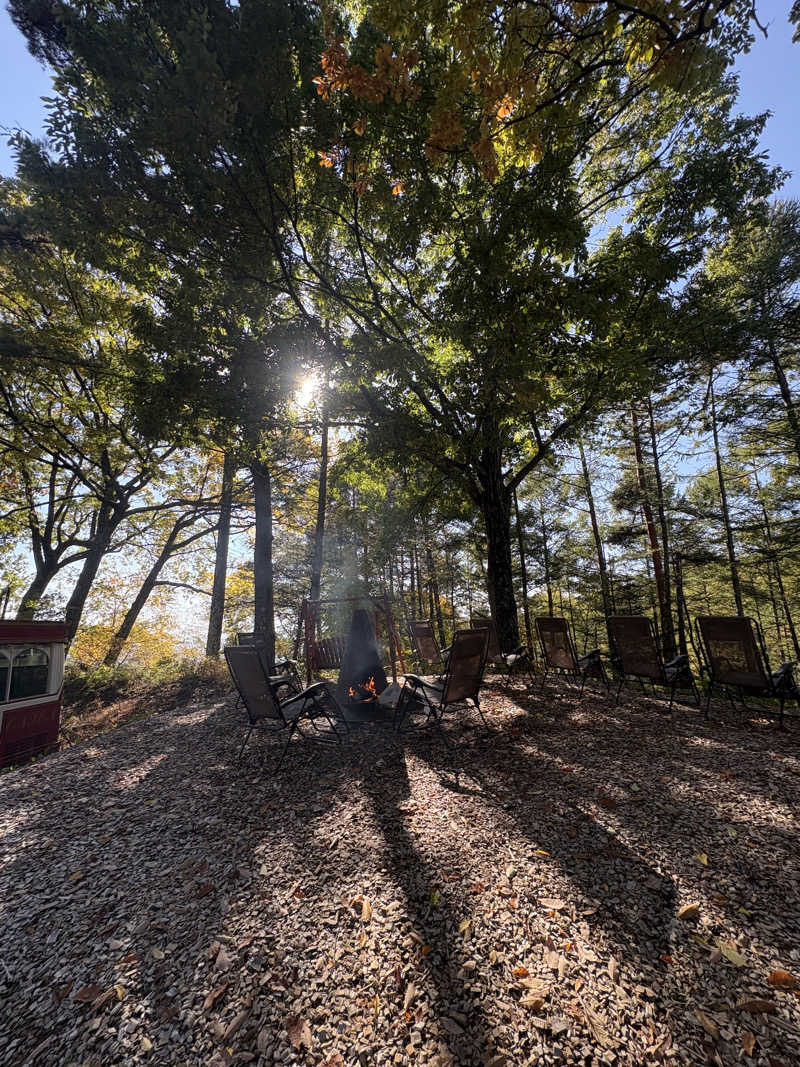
[582, 665]
[508, 662]
[778, 685]
[669, 675]
[436, 697]
[317, 701]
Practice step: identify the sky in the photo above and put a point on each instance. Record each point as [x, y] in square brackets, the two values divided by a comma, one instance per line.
[769, 78]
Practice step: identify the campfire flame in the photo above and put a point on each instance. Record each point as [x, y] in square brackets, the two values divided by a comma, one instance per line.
[364, 690]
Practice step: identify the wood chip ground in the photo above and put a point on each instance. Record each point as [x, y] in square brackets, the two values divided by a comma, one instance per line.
[586, 885]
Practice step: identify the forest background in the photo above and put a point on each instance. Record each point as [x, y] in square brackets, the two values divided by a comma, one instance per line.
[484, 354]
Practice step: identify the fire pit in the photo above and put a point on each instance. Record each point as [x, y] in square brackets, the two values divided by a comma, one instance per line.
[361, 677]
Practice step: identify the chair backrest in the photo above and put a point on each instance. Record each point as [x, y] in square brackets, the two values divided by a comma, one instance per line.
[247, 670]
[246, 637]
[465, 665]
[734, 653]
[557, 647]
[635, 646]
[424, 639]
[482, 623]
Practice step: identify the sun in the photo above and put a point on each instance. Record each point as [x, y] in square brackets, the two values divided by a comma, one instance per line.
[306, 391]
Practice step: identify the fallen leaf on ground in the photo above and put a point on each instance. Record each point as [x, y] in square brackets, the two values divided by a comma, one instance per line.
[552, 903]
[689, 911]
[410, 997]
[366, 911]
[756, 1006]
[730, 953]
[748, 1042]
[532, 1003]
[702, 857]
[298, 1030]
[213, 996]
[782, 980]
[223, 961]
[521, 972]
[88, 993]
[236, 1023]
[708, 1025]
[536, 986]
[613, 970]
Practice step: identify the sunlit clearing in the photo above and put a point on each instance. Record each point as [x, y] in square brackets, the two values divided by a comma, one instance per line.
[306, 390]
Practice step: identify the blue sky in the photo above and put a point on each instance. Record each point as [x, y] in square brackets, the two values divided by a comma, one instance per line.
[769, 77]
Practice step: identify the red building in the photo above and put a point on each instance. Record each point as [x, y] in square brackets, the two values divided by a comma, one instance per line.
[31, 687]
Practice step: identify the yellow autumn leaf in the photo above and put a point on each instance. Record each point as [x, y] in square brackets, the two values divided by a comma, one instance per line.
[702, 857]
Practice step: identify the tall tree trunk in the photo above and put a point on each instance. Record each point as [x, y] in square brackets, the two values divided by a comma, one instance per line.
[412, 582]
[778, 575]
[667, 628]
[605, 586]
[264, 614]
[775, 616]
[420, 605]
[723, 496]
[322, 504]
[546, 560]
[103, 533]
[523, 572]
[33, 594]
[680, 603]
[495, 502]
[217, 611]
[652, 534]
[786, 395]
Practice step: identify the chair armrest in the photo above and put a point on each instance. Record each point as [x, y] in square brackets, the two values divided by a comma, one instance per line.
[413, 679]
[313, 690]
[783, 673]
[678, 662]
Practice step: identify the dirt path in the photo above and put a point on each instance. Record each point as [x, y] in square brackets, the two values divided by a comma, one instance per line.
[510, 900]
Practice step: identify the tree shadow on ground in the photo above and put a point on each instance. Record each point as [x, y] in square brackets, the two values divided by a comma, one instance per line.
[132, 862]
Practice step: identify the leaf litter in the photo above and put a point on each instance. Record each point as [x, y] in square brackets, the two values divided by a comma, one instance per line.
[408, 902]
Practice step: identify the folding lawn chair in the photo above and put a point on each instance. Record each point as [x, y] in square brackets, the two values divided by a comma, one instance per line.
[282, 674]
[460, 682]
[737, 660]
[559, 653]
[507, 662]
[637, 656]
[426, 648]
[305, 709]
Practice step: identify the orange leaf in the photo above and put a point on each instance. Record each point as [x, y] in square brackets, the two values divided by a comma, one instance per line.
[748, 1042]
[521, 972]
[782, 980]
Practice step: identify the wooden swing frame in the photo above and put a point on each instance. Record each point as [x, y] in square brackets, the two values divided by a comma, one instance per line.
[326, 653]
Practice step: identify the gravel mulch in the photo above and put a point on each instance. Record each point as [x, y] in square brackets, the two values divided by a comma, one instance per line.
[587, 885]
